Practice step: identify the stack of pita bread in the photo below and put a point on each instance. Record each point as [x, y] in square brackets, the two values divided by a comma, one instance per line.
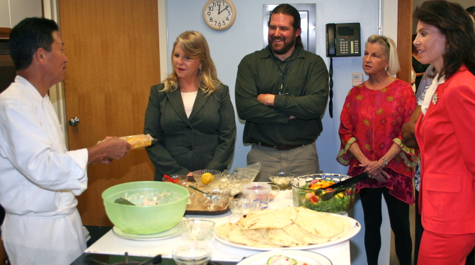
[285, 227]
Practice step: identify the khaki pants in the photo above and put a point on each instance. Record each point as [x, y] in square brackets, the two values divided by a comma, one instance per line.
[300, 161]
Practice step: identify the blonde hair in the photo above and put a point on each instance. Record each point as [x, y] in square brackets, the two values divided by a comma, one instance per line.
[390, 51]
[195, 46]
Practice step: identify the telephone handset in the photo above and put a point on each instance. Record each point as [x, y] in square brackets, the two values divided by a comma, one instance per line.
[343, 40]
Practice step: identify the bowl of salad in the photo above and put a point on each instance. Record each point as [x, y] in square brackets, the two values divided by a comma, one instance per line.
[308, 191]
[145, 207]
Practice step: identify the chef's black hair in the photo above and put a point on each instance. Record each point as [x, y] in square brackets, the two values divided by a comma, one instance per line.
[28, 36]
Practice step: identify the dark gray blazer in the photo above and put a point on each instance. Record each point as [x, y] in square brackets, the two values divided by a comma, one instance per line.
[203, 141]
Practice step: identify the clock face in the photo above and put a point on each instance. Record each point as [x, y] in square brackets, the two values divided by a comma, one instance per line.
[219, 14]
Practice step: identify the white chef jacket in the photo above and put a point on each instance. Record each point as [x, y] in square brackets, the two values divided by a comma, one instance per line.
[39, 180]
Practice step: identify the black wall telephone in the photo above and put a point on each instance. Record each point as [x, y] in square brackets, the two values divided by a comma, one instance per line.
[343, 40]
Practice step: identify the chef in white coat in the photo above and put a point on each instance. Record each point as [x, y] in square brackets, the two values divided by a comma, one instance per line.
[39, 178]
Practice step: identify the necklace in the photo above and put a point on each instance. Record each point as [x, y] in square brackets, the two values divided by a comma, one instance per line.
[283, 73]
[189, 91]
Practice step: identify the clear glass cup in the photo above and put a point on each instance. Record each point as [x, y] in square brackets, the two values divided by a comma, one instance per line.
[177, 179]
[281, 178]
[197, 230]
[192, 254]
[257, 191]
[242, 206]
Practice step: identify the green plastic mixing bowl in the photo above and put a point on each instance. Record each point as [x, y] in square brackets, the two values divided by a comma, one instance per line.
[145, 220]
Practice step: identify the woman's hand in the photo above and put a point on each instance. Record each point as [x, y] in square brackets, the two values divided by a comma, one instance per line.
[382, 177]
[375, 171]
[372, 168]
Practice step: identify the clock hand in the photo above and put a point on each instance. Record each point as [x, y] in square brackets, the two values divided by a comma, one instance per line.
[219, 12]
[219, 9]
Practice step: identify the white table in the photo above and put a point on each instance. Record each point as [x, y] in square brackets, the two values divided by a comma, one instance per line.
[111, 244]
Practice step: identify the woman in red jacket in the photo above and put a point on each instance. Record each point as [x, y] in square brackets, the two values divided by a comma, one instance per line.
[445, 133]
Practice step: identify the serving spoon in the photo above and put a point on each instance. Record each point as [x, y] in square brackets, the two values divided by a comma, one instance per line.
[208, 195]
[123, 201]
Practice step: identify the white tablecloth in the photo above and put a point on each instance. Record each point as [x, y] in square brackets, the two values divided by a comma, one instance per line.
[111, 244]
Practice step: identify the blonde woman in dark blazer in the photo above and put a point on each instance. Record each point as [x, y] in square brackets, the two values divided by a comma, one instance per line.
[190, 114]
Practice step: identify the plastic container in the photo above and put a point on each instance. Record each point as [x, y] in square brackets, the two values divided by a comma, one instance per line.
[257, 191]
[144, 220]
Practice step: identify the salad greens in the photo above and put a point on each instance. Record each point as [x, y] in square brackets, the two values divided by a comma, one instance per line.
[339, 203]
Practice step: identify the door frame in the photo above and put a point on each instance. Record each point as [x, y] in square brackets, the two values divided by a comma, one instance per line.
[56, 93]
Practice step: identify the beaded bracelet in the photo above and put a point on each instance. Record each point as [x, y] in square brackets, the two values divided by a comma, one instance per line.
[385, 161]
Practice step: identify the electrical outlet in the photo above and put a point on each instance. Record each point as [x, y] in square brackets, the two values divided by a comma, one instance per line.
[356, 79]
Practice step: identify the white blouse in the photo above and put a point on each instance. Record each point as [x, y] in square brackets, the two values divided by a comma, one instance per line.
[430, 93]
[188, 101]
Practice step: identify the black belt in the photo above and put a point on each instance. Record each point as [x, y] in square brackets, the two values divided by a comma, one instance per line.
[281, 147]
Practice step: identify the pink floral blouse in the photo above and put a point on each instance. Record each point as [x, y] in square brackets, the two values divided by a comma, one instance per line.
[373, 119]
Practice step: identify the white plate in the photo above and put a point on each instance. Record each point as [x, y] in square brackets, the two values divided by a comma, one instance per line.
[173, 232]
[310, 258]
[355, 228]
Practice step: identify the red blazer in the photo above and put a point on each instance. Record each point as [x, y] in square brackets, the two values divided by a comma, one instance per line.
[446, 138]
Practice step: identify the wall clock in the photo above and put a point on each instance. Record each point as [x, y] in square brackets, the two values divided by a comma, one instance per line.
[219, 14]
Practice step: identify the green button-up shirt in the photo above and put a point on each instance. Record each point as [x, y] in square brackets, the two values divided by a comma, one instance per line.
[304, 96]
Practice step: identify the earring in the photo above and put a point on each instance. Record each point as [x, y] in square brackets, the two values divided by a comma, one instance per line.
[386, 69]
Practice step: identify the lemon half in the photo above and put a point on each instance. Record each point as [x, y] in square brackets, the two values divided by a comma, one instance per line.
[206, 178]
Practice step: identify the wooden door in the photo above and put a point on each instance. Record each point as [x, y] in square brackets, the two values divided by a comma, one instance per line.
[404, 39]
[113, 59]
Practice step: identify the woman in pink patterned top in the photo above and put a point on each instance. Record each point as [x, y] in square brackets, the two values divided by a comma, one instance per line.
[370, 134]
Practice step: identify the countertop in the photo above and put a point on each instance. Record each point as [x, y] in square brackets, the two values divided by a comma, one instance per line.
[111, 244]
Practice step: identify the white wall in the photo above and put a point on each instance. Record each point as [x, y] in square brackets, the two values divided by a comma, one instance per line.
[245, 36]
[13, 11]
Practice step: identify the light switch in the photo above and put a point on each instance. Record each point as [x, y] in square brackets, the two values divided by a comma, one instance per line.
[356, 79]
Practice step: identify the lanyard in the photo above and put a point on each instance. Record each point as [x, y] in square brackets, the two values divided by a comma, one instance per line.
[283, 74]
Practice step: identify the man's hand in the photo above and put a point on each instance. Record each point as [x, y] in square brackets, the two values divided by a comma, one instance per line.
[266, 99]
[108, 149]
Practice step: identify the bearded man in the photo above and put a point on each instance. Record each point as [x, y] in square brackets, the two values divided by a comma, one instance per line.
[281, 93]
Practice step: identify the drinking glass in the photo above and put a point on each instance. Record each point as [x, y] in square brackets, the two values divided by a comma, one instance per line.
[191, 254]
[281, 178]
[197, 230]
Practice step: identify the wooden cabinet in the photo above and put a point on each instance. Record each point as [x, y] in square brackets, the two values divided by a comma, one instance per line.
[4, 33]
